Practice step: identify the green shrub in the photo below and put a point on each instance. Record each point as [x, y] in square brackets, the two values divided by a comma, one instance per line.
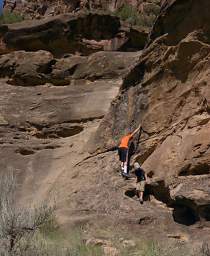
[10, 17]
[129, 14]
[151, 9]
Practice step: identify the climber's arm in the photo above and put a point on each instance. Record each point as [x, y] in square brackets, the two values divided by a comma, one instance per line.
[134, 132]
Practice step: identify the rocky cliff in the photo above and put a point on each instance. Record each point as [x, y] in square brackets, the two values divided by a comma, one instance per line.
[62, 114]
[168, 92]
[82, 34]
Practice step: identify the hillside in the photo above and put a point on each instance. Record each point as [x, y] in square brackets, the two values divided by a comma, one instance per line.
[72, 85]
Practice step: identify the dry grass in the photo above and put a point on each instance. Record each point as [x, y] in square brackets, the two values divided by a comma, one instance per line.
[33, 231]
[18, 225]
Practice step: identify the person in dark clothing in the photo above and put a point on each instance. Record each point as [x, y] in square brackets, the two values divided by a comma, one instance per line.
[140, 181]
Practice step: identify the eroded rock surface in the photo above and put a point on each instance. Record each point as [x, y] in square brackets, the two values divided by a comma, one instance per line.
[26, 68]
[35, 68]
[54, 136]
[168, 92]
[82, 33]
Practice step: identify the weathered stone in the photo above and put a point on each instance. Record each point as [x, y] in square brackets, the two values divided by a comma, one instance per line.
[35, 68]
[51, 129]
[64, 68]
[106, 65]
[168, 92]
[26, 68]
[67, 34]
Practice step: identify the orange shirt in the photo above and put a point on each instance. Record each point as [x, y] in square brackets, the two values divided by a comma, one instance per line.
[125, 140]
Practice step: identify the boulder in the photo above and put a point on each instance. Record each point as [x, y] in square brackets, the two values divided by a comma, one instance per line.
[177, 29]
[26, 68]
[84, 33]
[106, 65]
[36, 68]
[64, 69]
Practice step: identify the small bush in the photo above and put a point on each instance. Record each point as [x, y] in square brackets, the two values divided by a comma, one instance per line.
[151, 9]
[129, 14]
[10, 17]
[33, 231]
[18, 225]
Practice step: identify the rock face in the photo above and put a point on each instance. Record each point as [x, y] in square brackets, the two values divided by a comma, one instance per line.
[83, 33]
[168, 93]
[36, 68]
[59, 139]
[25, 68]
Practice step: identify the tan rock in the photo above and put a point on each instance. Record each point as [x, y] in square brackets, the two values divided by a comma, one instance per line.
[34, 35]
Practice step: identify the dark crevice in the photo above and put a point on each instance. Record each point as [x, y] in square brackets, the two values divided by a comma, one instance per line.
[7, 72]
[146, 220]
[46, 147]
[134, 77]
[132, 193]
[94, 78]
[150, 174]
[200, 169]
[144, 155]
[62, 130]
[47, 68]
[160, 191]
[204, 211]
[185, 215]
[72, 70]
[59, 132]
[185, 211]
[24, 151]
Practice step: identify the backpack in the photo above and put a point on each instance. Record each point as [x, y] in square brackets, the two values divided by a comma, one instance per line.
[140, 174]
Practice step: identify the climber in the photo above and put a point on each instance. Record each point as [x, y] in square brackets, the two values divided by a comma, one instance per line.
[140, 181]
[123, 151]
